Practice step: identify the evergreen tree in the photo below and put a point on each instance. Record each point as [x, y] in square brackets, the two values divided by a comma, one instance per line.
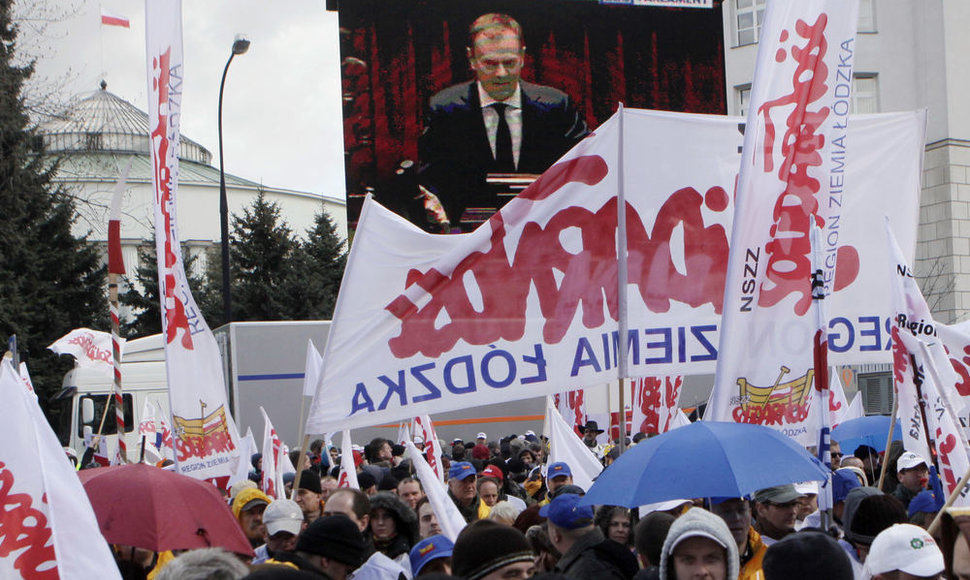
[50, 281]
[146, 301]
[319, 268]
[262, 250]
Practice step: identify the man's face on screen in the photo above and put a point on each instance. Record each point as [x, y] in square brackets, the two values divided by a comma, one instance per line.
[497, 58]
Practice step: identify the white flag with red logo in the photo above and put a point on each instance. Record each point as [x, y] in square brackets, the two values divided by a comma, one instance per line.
[348, 467]
[47, 527]
[572, 406]
[793, 175]
[423, 427]
[526, 305]
[656, 401]
[923, 379]
[205, 435]
[272, 480]
[90, 348]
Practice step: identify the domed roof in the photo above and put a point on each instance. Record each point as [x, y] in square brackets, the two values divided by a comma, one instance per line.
[104, 122]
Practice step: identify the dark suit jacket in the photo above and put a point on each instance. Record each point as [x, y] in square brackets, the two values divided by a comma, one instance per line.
[454, 152]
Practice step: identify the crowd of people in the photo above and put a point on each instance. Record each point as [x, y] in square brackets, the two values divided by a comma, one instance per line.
[526, 518]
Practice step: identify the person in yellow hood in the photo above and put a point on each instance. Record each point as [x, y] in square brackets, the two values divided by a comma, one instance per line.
[248, 507]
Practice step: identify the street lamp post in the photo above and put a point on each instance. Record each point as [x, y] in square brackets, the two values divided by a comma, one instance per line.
[239, 46]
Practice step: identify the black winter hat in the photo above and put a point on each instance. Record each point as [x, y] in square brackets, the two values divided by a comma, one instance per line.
[334, 537]
[485, 546]
[807, 555]
[309, 480]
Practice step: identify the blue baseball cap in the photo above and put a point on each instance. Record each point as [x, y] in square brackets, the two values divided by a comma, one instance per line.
[924, 501]
[428, 549]
[557, 469]
[565, 512]
[461, 470]
[843, 481]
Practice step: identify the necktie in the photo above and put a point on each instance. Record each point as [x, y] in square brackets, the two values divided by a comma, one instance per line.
[504, 158]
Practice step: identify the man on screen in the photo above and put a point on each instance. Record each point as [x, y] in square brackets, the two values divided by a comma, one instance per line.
[497, 123]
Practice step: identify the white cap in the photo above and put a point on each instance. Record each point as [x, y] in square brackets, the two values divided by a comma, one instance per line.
[283, 515]
[418, 439]
[481, 435]
[906, 548]
[807, 488]
[662, 506]
[909, 460]
[530, 432]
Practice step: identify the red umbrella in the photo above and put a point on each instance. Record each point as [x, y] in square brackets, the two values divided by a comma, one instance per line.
[147, 507]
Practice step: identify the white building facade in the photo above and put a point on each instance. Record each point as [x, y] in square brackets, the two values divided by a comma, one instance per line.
[95, 140]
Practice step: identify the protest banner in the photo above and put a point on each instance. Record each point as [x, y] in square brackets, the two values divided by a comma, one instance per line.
[793, 180]
[204, 434]
[47, 527]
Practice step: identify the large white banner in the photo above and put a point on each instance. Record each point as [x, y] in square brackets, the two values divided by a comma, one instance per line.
[526, 305]
[794, 175]
[205, 436]
[47, 527]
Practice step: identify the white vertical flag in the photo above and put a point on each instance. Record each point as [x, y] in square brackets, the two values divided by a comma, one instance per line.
[449, 518]
[792, 177]
[205, 435]
[656, 401]
[314, 362]
[272, 480]
[247, 447]
[47, 527]
[348, 470]
[566, 446]
[432, 449]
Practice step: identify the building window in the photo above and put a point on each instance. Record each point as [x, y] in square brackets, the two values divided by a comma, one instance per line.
[865, 93]
[743, 97]
[867, 16]
[750, 15]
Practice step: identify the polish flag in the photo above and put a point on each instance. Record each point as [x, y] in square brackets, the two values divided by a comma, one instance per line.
[112, 19]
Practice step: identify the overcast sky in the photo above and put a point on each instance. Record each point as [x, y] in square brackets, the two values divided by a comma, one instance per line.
[281, 109]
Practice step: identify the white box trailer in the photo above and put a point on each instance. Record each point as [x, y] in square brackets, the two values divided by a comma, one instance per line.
[264, 364]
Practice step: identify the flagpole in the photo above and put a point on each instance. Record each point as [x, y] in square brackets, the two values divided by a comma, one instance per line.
[821, 364]
[116, 269]
[621, 283]
[889, 438]
[949, 502]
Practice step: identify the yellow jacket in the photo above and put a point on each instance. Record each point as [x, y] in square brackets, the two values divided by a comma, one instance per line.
[751, 570]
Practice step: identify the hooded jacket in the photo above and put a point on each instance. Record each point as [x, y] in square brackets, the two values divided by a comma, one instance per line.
[405, 522]
[245, 496]
[694, 520]
[852, 502]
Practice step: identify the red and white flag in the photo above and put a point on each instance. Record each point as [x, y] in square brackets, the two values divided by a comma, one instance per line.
[48, 530]
[423, 427]
[923, 379]
[109, 18]
[793, 175]
[90, 348]
[656, 401]
[272, 481]
[348, 468]
[205, 435]
[572, 406]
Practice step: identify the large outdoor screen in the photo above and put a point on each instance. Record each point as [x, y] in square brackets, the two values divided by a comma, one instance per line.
[396, 56]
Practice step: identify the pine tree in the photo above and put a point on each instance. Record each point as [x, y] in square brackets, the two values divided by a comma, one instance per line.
[319, 268]
[50, 281]
[262, 251]
[146, 302]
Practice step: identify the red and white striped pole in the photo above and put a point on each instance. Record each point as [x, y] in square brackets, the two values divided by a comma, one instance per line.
[116, 269]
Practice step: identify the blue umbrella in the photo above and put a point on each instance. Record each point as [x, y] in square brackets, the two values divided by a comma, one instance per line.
[704, 459]
[871, 430]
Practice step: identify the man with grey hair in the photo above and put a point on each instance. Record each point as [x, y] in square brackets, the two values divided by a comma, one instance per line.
[204, 564]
